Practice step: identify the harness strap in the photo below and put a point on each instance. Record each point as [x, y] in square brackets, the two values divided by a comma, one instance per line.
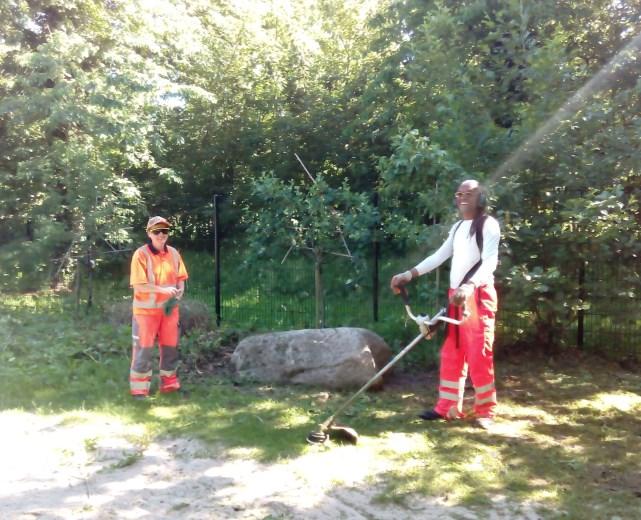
[475, 267]
[479, 243]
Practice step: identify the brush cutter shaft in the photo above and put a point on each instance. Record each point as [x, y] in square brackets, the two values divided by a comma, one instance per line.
[398, 356]
[424, 323]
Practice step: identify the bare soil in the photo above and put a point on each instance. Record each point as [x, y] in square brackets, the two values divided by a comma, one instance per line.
[90, 467]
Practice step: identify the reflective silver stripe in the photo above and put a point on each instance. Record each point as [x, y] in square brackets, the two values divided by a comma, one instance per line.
[450, 384]
[147, 305]
[167, 373]
[484, 388]
[139, 385]
[140, 375]
[151, 303]
[135, 337]
[151, 278]
[448, 395]
[490, 399]
[176, 257]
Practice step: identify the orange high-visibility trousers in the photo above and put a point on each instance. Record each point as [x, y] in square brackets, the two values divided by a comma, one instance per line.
[146, 329]
[469, 346]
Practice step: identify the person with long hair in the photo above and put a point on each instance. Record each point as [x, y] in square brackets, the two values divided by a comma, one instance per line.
[472, 243]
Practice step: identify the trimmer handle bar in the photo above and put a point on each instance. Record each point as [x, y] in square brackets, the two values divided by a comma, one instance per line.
[423, 319]
[424, 322]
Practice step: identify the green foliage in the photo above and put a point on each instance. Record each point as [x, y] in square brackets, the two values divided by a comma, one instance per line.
[317, 220]
[112, 111]
[315, 217]
[74, 113]
[414, 180]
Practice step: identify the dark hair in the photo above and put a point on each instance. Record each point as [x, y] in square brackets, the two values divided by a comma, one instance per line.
[477, 223]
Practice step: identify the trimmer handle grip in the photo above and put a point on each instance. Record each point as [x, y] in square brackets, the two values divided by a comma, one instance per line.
[402, 291]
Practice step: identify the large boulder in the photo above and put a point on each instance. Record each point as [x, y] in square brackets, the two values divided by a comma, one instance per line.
[343, 357]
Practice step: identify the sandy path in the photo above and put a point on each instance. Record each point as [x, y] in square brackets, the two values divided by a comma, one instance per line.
[93, 467]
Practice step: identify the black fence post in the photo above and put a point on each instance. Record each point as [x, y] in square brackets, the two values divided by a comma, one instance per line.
[216, 262]
[90, 266]
[78, 283]
[580, 329]
[377, 253]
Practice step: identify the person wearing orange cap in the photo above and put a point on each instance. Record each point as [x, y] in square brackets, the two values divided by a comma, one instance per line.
[158, 277]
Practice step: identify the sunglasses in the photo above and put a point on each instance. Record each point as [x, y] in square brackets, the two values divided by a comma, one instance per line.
[158, 231]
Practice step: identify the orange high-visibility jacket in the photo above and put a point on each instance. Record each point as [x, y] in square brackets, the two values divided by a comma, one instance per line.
[164, 268]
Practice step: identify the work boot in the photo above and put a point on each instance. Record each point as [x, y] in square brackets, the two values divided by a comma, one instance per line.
[484, 422]
[431, 415]
[179, 393]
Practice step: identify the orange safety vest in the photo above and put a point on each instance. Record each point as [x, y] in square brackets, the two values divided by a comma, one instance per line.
[165, 269]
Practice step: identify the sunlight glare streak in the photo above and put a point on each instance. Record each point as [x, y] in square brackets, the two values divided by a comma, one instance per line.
[569, 109]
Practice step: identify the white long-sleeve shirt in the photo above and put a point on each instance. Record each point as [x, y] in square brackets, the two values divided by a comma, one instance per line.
[465, 253]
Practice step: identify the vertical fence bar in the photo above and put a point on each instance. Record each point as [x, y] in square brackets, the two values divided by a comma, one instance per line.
[90, 264]
[580, 329]
[78, 283]
[377, 252]
[216, 262]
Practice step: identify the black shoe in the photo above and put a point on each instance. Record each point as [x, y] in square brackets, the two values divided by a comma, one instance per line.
[431, 415]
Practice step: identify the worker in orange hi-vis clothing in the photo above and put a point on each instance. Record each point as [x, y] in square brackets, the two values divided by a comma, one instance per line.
[158, 277]
[472, 244]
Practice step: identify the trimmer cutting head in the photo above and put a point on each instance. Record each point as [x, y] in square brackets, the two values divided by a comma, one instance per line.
[317, 437]
[334, 432]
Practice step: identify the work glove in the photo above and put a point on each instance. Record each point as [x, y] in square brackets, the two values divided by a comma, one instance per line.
[169, 305]
[399, 280]
[461, 294]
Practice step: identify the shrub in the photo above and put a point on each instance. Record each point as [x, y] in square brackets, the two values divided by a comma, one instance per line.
[193, 315]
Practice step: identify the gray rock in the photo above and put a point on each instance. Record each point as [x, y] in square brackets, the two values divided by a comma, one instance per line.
[343, 357]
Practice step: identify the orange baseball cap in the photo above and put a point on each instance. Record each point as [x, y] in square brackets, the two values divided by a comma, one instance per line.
[158, 223]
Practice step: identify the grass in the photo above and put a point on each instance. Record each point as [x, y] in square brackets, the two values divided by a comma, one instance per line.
[281, 297]
[566, 442]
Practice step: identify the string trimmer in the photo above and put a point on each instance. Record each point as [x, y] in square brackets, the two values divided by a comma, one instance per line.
[328, 428]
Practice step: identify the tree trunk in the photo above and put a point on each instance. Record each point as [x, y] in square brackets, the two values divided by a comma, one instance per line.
[318, 283]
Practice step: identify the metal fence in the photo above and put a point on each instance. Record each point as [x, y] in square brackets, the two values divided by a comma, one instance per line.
[279, 297]
[274, 296]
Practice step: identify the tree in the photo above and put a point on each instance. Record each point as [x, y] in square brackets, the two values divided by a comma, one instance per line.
[76, 116]
[316, 220]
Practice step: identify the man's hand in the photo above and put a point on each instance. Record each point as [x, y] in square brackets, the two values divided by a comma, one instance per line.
[401, 279]
[462, 294]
